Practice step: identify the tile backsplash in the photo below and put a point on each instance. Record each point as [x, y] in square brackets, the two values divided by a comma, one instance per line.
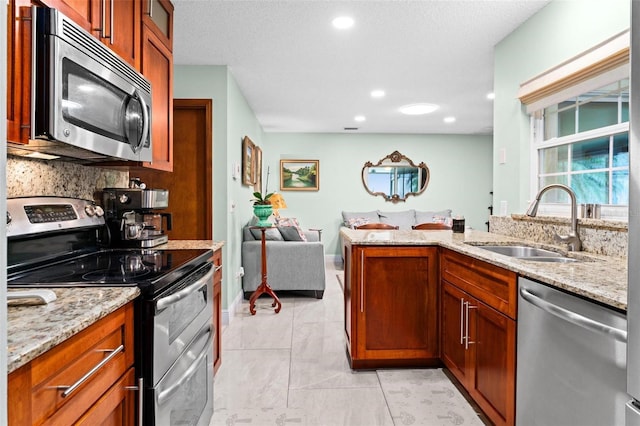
[27, 177]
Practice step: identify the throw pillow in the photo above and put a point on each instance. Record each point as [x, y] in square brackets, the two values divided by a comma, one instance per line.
[403, 219]
[369, 216]
[290, 222]
[290, 233]
[357, 221]
[272, 234]
[435, 216]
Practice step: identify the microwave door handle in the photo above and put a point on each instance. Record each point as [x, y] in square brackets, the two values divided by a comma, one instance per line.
[145, 123]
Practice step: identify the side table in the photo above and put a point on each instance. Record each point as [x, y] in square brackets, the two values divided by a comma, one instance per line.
[264, 285]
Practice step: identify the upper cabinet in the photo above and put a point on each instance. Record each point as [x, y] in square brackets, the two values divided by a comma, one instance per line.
[158, 17]
[138, 31]
[119, 23]
[157, 66]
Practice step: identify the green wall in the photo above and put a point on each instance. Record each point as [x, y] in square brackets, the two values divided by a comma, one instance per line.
[460, 169]
[232, 120]
[560, 31]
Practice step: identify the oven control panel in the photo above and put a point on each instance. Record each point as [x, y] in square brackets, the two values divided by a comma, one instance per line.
[37, 215]
[50, 213]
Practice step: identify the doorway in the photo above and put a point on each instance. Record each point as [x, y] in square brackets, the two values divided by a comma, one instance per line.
[190, 184]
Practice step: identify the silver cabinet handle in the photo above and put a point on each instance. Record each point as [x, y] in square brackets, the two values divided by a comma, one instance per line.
[179, 295]
[467, 338]
[217, 268]
[140, 389]
[189, 372]
[573, 317]
[462, 321]
[70, 389]
[103, 14]
[362, 281]
[111, 26]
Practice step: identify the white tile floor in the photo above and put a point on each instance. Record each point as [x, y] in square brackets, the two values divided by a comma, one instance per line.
[291, 369]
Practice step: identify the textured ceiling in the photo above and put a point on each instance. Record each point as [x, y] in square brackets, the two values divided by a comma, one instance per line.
[299, 74]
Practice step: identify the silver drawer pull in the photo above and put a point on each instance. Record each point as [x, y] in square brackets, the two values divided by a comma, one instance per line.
[70, 389]
[189, 372]
[140, 389]
[179, 295]
[217, 268]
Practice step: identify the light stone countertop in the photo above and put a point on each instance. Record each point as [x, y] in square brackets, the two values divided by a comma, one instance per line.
[191, 244]
[596, 277]
[34, 329]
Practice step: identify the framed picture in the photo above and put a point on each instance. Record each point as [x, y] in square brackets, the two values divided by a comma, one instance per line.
[299, 175]
[248, 162]
[257, 157]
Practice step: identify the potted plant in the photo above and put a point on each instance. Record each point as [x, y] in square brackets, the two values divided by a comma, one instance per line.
[262, 208]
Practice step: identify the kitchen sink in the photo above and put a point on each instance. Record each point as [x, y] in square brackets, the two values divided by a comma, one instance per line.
[534, 254]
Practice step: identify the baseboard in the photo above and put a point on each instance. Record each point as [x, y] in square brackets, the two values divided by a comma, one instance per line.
[229, 313]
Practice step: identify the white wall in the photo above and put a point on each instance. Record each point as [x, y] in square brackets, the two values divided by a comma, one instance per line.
[460, 167]
[560, 31]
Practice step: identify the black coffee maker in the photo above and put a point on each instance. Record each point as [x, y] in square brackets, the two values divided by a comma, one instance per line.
[132, 216]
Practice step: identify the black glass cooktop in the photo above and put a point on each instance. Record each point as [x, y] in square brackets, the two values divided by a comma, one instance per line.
[113, 268]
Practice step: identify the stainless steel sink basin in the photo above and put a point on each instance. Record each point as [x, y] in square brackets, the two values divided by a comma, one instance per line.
[533, 254]
[521, 251]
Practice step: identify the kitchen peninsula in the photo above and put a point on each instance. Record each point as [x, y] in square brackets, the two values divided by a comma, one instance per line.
[426, 298]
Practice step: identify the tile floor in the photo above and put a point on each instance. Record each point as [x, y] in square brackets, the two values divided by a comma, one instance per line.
[291, 369]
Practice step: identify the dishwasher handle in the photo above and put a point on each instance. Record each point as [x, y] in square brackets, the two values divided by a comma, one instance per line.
[573, 317]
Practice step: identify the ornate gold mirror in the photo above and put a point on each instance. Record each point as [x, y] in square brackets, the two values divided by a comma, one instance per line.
[395, 177]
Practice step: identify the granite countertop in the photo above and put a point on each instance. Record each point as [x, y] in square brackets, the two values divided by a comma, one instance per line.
[34, 329]
[596, 277]
[191, 244]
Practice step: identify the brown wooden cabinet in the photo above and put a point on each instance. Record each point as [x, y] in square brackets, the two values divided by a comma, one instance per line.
[34, 393]
[118, 23]
[478, 338]
[217, 309]
[158, 17]
[391, 306]
[157, 67]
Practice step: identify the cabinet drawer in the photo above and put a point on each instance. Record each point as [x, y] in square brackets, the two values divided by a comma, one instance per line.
[70, 361]
[495, 286]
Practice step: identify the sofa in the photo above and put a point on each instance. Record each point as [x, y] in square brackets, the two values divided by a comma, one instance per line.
[404, 219]
[295, 260]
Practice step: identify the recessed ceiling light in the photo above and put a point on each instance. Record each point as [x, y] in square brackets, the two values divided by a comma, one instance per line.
[360, 118]
[491, 96]
[449, 120]
[343, 22]
[377, 94]
[418, 109]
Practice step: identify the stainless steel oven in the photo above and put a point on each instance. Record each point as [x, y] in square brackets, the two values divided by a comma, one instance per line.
[55, 242]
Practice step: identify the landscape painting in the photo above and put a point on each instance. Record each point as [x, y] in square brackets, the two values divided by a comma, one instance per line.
[299, 175]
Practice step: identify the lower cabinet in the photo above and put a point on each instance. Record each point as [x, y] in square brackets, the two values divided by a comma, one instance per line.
[479, 342]
[391, 306]
[217, 309]
[86, 379]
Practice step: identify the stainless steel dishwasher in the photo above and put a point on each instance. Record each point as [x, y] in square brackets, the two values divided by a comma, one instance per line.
[571, 360]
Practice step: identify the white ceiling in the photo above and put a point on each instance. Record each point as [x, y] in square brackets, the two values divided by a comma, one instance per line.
[299, 74]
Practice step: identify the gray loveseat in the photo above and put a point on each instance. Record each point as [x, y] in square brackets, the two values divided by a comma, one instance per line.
[292, 265]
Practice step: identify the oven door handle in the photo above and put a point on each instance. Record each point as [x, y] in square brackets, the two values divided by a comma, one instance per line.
[179, 295]
[189, 372]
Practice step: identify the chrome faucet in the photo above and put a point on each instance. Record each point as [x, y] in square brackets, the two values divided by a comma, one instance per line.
[573, 239]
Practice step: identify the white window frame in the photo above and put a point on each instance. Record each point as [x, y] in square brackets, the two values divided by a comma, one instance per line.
[603, 64]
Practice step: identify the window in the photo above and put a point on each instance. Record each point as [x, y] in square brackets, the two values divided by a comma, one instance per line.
[583, 142]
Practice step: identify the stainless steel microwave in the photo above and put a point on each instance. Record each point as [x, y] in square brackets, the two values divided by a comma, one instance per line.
[87, 102]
